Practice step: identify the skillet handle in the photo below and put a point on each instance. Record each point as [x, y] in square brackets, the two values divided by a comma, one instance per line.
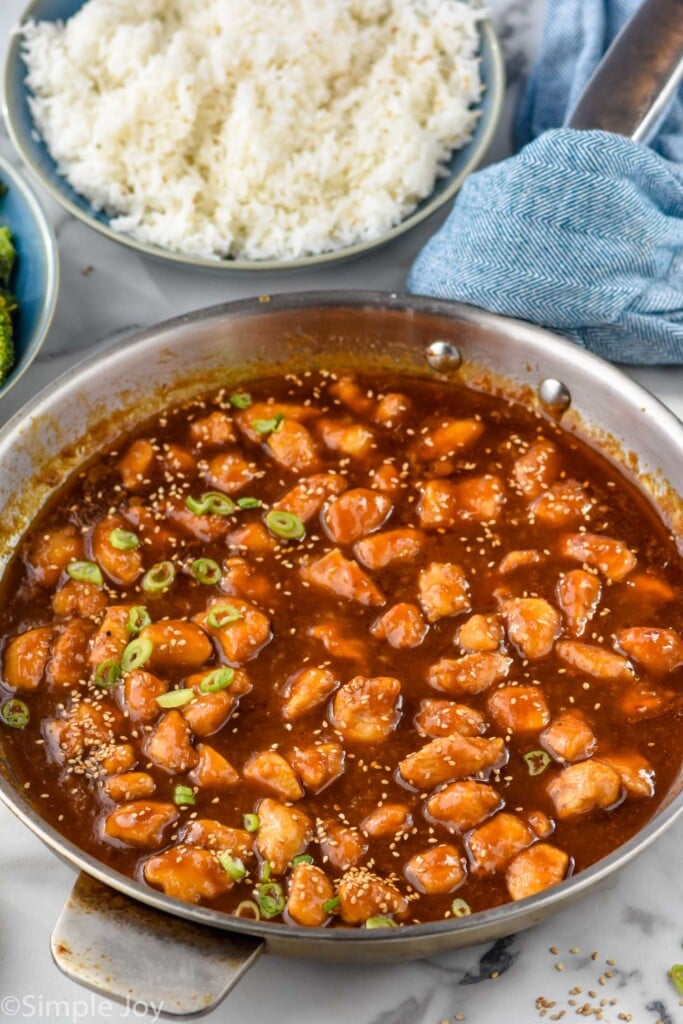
[145, 958]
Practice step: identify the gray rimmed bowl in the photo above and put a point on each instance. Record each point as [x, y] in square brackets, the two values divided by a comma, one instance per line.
[35, 280]
[34, 152]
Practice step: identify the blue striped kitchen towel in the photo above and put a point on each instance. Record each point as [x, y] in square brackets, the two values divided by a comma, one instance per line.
[580, 231]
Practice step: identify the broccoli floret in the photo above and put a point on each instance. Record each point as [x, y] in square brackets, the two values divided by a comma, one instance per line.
[7, 255]
[6, 342]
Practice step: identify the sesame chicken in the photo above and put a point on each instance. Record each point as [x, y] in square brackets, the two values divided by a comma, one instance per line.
[535, 869]
[140, 822]
[469, 674]
[451, 757]
[268, 770]
[578, 595]
[342, 847]
[569, 737]
[365, 710]
[438, 870]
[443, 590]
[437, 717]
[306, 690]
[462, 805]
[309, 890]
[493, 845]
[587, 786]
[284, 832]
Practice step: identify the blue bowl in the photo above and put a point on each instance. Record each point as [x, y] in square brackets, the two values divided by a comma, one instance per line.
[35, 279]
[34, 152]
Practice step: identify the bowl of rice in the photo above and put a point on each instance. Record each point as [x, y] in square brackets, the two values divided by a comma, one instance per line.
[245, 135]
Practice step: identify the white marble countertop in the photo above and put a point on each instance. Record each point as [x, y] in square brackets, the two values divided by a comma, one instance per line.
[634, 921]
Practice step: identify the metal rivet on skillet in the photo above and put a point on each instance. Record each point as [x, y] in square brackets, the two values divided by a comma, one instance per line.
[554, 394]
[443, 355]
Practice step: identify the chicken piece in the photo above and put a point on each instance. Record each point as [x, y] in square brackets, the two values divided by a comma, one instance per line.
[213, 771]
[230, 472]
[341, 576]
[213, 431]
[207, 527]
[252, 538]
[569, 737]
[187, 874]
[391, 410]
[386, 478]
[112, 637]
[214, 835]
[240, 627]
[437, 870]
[318, 765]
[353, 439]
[136, 465]
[176, 645]
[25, 658]
[444, 503]
[481, 633]
[338, 642]
[493, 845]
[51, 552]
[86, 728]
[532, 625]
[284, 833]
[564, 504]
[460, 806]
[209, 712]
[440, 437]
[340, 846]
[401, 626]
[308, 497]
[448, 758]
[472, 673]
[169, 746]
[140, 823]
[539, 823]
[518, 709]
[122, 567]
[366, 710]
[642, 702]
[538, 468]
[519, 559]
[263, 411]
[293, 447]
[535, 869]
[307, 690]
[270, 771]
[309, 890]
[157, 542]
[578, 595]
[77, 598]
[129, 786]
[636, 773]
[68, 664]
[650, 591]
[178, 462]
[659, 650]
[349, 392]
[389, 547]
[140, 692]
[584, 787]
[120, 757]
[443, 591]
[387, 820]
[363, 895]
[594, 661]
[356, 513]
[611, 557]
[443, 718]
[243, 579]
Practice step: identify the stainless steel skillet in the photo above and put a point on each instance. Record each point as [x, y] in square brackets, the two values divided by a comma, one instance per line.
[189, 957]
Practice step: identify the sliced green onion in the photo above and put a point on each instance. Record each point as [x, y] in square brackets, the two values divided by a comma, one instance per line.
[251, 822]
[248, 503]
[85, 572]
[206, 571]
[264, 873]
[175, 698]
[249, 909]
[15, 713]
[285, 524]
[217, 680]
[124, 540]
[222, 615]
[211, 503]
[303, 858]
[138, 618]
[329, 906]
[137, 653]
[460, 908]
[240, 399]
[159, 578]
[183, 796]
[537, 761]
[676, 975]
[233, 866]
[271, 899]
[268, 426]
[380, 922]
[107, 674]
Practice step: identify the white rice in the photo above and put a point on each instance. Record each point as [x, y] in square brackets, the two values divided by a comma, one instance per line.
[258, 129]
